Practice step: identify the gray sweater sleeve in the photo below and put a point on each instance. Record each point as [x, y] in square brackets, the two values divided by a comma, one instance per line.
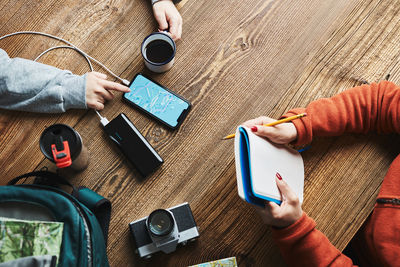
[31, 86]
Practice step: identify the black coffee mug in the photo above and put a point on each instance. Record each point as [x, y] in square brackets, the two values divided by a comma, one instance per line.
[158, 50]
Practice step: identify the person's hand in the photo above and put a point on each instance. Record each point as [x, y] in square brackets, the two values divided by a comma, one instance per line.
[98, 90]
[287, 213]
[168, 18]
[283, 133]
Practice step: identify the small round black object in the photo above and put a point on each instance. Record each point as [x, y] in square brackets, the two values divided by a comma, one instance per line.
[67, 133]
[160, 222]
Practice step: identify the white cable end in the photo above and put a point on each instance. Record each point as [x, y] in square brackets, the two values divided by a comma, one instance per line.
[104, 121]
[125, 82]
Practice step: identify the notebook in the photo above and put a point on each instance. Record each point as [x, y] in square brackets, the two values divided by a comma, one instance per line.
[257, 162]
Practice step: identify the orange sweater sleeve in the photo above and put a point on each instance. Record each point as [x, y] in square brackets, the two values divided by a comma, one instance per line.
[303, 245]
[360, 109]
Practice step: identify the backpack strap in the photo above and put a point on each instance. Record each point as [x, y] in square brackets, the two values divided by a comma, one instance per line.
[51, 176]
[100, 206]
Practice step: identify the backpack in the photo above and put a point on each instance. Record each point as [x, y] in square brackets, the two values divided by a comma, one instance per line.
[85, 214]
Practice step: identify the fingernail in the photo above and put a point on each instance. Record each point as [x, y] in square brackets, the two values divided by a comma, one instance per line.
[254, 129]
[278, 176]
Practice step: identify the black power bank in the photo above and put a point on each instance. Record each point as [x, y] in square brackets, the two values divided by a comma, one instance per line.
[133, 144]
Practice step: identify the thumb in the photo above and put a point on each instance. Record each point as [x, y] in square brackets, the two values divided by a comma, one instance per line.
[161, 20]
[287, 193]
[272, 207]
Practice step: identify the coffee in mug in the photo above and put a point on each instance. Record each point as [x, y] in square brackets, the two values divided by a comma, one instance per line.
[158, 50]
[63, 145]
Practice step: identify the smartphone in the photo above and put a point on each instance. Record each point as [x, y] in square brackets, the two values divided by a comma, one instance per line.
[157, 101]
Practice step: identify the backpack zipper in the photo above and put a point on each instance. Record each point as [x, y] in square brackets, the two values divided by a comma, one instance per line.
[394, 201]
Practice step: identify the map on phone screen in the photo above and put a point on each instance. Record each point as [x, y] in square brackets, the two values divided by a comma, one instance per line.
[156, 100]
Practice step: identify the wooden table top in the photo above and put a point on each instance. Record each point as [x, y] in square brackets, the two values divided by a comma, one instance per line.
[237, 60]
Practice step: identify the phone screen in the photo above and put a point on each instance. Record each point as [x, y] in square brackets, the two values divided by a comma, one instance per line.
[156, 100]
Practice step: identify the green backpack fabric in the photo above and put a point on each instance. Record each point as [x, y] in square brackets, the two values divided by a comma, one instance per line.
[85, 215]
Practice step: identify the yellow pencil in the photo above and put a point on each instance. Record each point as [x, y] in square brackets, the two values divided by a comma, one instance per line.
[273, 123]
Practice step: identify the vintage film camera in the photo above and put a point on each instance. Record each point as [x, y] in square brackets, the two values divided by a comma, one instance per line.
[163, 230]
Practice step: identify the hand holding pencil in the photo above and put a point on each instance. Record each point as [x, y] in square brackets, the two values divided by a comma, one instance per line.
[275, 130]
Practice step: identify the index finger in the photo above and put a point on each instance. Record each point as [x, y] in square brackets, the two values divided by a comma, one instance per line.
[114, 86]
[286, 192]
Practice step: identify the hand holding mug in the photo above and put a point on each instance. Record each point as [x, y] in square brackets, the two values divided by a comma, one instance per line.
[168, 18]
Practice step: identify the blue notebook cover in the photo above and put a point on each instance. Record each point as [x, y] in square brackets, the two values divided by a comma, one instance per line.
[271, 158]
[244, 151]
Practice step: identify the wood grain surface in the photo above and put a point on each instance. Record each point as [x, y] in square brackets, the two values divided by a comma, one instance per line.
[237, 60]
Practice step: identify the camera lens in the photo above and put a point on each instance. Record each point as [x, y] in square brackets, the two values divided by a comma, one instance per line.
[160, 222]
